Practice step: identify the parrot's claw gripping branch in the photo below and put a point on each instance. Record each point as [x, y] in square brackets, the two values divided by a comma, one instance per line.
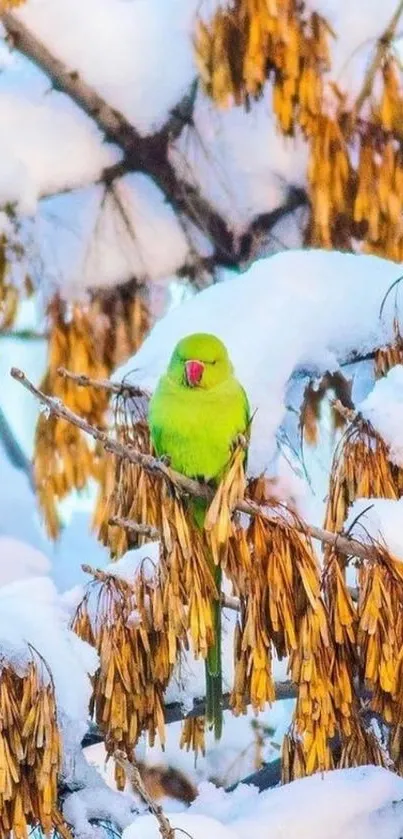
[344, 544]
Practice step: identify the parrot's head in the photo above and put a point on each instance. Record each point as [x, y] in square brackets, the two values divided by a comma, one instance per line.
[200, 361]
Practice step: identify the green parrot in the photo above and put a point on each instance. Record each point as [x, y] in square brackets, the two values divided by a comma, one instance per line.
[195, 416]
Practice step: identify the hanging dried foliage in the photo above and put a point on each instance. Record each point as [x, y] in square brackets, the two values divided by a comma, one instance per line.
[193, 735]
[355, 171]
[343, 624]
[355, 166]
[249, 42]
[11, 252]
[380, 633]
[361, 469]
[389, 355]
[128, 625]
[30, 754]
[89, 340]
[126, 490]
[329, 178]
[282, 608]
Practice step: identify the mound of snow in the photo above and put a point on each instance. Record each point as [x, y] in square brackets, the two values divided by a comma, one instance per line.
[361, 803]
[298, 310]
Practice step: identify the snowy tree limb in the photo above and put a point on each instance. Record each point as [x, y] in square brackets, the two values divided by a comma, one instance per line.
[149, 154]
[141, 154]
[343, 544]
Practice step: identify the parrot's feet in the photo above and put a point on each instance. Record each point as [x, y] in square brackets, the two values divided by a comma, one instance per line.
[165, 460]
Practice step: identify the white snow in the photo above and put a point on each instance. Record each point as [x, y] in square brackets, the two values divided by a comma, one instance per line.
[362, 803]
[383, 407]
[146, 557]
[45, 148]
[138, 55]
[19, 560]
[297, 309]
[196, 826]
[98, 802]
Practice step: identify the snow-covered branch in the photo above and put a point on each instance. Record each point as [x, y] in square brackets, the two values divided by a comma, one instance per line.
[150, 155]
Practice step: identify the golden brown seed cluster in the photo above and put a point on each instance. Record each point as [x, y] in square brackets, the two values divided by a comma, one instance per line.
[274, 572]
[193, 735]
[251, 41]
[127, 624]
[361, 469]
[89, 340]
[11, 252]
[30, 754]
[355, 168]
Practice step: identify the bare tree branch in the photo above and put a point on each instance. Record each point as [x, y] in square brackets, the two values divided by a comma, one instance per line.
[82, 380]
[343, 544]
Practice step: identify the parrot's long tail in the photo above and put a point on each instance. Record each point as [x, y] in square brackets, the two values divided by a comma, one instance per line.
[213, 664]
[213, 668]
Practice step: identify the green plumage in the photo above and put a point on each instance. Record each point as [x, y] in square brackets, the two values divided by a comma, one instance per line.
[196, 423]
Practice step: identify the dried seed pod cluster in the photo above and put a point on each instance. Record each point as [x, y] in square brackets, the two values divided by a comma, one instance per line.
[361, 469]
[343, 624]
[193, 735]
[252, 41]
[126, 490]
[11, 252]
[127, 624]
[90, 340]
[30, 754]
[355, 171]
[380, 633]
[389, 355]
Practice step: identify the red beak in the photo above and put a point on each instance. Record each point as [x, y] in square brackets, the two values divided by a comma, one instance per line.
[194, 371]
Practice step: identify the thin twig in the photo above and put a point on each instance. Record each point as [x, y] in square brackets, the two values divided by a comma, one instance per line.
[349, 414]
[136, 527]
[133, 774]
[227, 600]
[119, 388]
[343, 544]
